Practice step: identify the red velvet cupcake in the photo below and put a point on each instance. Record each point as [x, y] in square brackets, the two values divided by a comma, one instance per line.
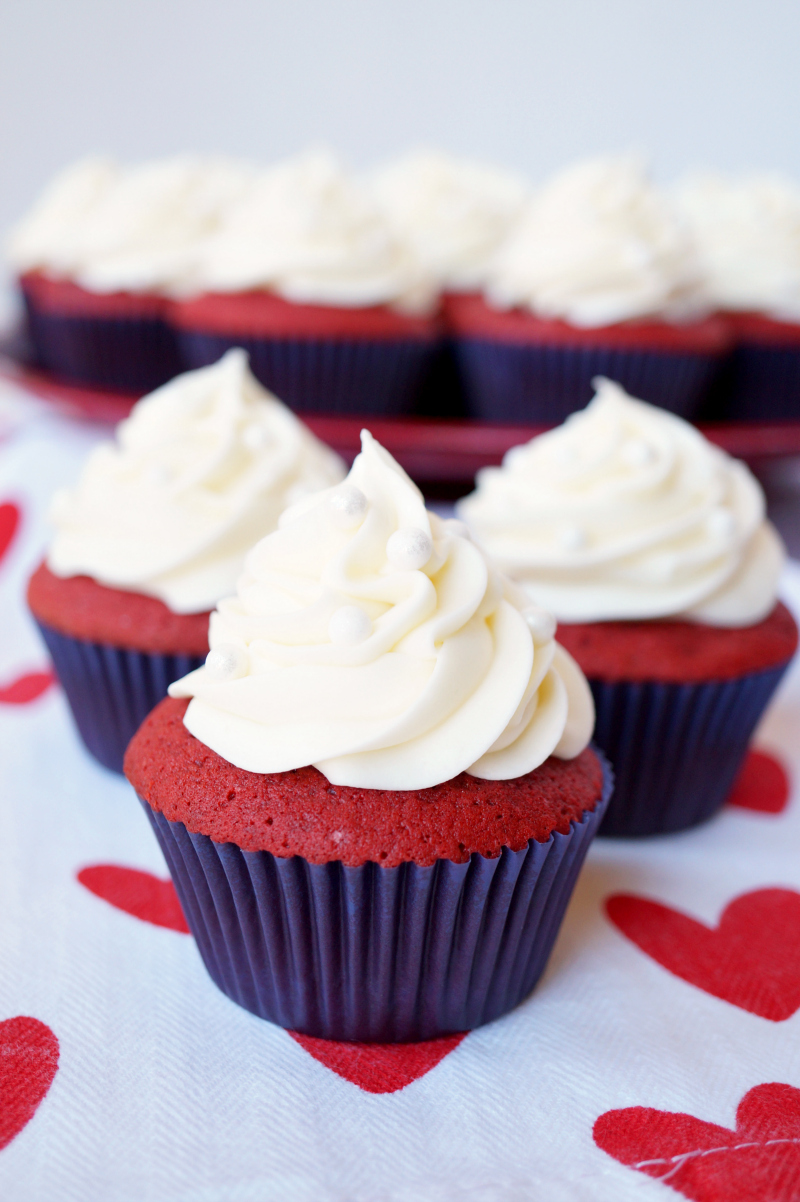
[598, 278]
[651, 547]
[306, 274]
[375, 806]
[155, 532]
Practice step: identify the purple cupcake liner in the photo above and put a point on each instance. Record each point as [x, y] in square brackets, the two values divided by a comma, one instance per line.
[510, 382]
[762, 382]
[676, 748]
[374, 954]
[326, 375]
[130, 354]
[111, 690]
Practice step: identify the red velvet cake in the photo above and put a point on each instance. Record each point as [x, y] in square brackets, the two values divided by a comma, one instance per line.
[300, 813]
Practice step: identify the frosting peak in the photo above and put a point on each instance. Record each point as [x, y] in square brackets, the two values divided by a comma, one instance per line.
[375, 641]
[598, 244]
[200, 470]
[626, 511]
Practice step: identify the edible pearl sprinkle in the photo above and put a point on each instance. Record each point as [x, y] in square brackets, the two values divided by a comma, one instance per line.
[227, 662]
[347, 507]
[720, 523]
[541, 623]
[637, 453]
[349, 626]
[408, 548]
[572, 538]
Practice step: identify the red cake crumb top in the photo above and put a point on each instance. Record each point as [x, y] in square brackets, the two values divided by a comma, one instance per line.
[301, 813]
[69, 299]
[264, 314]
[468, 314]
[679, 652]
[763, 330]
[83, 609]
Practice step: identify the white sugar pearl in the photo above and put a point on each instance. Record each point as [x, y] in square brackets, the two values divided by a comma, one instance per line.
[227, 662]
[254, 437]
[347, 507]
[409, 547]
[721, 523]
[349, 626]
[541, 623]
[456, 528]
[637, 453]
[572, 538]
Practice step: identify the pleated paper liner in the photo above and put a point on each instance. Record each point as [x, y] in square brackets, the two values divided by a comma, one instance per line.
[376, 954]
[131, 354]
[541, 383]
[326, 375]
[676, 748]
[111, 690]
[763, 382]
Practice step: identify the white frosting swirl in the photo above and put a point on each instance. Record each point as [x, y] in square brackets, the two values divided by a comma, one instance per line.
[200, 470]
[454, 212]
[375, 641]
[748, 234]
[309, 232]
[134, 229]
[598, 244]
[627, 511]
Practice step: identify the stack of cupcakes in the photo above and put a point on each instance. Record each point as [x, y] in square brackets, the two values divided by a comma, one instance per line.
[652, 548]
[156, 531]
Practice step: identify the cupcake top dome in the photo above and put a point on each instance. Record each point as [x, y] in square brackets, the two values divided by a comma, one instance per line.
[374, 641]
[626, 511]
[311, 233]
[135, 229]
[747, 231]
[200, 470]
[454, 212]
[599, 244]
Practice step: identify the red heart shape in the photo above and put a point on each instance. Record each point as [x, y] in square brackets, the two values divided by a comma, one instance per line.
[752, 959]
[379, 1067]
[758, 1162]
[9, 521]
[26, 688]
[762, 784]
[137, 893]
[28, 1063]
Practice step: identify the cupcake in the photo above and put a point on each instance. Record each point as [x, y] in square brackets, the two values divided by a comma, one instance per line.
[651, 547]
[306, 274]
[155, 532]
[748, 234]
[598, 277]
[99, 255]
[455, 214]
[377, 800]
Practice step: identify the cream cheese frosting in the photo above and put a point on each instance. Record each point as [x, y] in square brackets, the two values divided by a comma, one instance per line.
[308, 231]
[747, 231]
[626, 511]
[137, 228]
[375, 641]
[199, 472]
[599, 244]
[454, 212]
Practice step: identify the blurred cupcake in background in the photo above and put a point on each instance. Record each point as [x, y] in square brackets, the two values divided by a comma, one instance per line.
[99, 255]
[747, 230]
[375, 797]
[156, 531]
[307, 274]
[455, 213]
[651, 547]
[598, 277]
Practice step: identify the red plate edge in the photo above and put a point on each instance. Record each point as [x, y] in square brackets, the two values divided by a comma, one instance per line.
[429, 449]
